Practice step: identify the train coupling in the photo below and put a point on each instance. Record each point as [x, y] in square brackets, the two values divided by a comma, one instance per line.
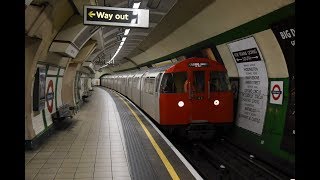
[200, 131]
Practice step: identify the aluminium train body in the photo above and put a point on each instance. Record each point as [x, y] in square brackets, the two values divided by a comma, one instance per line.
[190, 93]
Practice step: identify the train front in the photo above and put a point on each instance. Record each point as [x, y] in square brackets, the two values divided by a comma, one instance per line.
[196, 94]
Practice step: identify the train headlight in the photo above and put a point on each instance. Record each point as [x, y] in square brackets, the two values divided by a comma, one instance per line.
[216, 102]
[180, 103]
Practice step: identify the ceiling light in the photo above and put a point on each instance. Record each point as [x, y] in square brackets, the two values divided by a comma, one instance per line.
[124, 39]
[135, 12]
[153, 4]
[136, 5]
[121, 44]
[133, 21]
[126, 32]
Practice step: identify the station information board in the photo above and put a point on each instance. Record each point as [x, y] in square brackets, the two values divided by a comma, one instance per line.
[253, 91]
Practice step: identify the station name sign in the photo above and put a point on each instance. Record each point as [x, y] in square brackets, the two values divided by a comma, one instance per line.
[110, 16]
[247, 55]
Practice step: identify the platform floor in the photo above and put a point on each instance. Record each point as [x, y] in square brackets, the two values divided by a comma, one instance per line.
[95, 146]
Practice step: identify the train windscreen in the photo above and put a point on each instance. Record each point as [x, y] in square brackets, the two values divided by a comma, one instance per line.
[173, 82]
[219, 82]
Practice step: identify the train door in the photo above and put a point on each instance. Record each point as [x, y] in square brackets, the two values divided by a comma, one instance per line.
[130, 87]
[141, 83]
[220, 97]
[157, 96]
[173, 101]
[198, 95]
[127, 86]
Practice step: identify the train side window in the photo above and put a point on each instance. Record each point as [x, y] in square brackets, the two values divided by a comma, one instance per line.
[173, 82]
[149, 85]
[146, 85]
[219, 81]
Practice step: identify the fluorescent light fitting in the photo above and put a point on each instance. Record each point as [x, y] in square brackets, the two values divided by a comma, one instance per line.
[134, 12]
[103, 66]
[126, 32]
[119, 48]
[136, 5]
[133, 21]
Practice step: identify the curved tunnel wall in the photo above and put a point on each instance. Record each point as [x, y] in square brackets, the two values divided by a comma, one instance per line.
[40, 27]
[42, 120]
[31, 46]
[227, 25]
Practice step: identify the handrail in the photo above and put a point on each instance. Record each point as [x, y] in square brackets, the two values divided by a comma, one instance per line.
[189, 89]
[208, 89]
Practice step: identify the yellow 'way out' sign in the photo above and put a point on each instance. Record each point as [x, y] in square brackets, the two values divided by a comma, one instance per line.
[100, 15]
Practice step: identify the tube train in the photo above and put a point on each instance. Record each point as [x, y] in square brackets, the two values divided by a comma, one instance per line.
[193, 95]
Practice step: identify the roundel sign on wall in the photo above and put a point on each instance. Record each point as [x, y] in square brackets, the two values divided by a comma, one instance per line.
[276, 92]
[50, 96]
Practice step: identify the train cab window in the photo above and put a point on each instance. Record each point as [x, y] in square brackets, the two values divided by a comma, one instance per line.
[219, 81]
[198, 81]
[173, 82]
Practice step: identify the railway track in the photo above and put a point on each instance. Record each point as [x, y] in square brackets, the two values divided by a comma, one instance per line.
[234, 163]
[220, 159]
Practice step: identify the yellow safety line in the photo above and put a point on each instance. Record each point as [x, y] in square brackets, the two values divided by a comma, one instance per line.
[164, 159]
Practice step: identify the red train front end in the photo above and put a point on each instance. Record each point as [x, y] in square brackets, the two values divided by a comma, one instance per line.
[196, 91]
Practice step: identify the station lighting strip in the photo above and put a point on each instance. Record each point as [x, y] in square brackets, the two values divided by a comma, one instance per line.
[126, 32]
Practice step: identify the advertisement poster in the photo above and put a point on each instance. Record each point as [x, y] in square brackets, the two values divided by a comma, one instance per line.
[253, 85]
[285, 33]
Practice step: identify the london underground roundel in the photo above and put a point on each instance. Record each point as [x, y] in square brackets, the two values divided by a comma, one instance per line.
[276, 92]
[50, 96]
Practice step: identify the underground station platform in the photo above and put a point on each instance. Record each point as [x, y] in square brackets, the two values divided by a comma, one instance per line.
[109, 138]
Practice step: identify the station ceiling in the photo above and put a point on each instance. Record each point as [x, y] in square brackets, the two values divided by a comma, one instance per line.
[165, 16]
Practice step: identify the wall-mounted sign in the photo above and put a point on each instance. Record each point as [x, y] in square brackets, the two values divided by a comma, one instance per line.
[204, 64]
[284, 30]
[253, 89]
[39, 88]
[50, 96]
[247, 55]
[276, 92]
[110, 16]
